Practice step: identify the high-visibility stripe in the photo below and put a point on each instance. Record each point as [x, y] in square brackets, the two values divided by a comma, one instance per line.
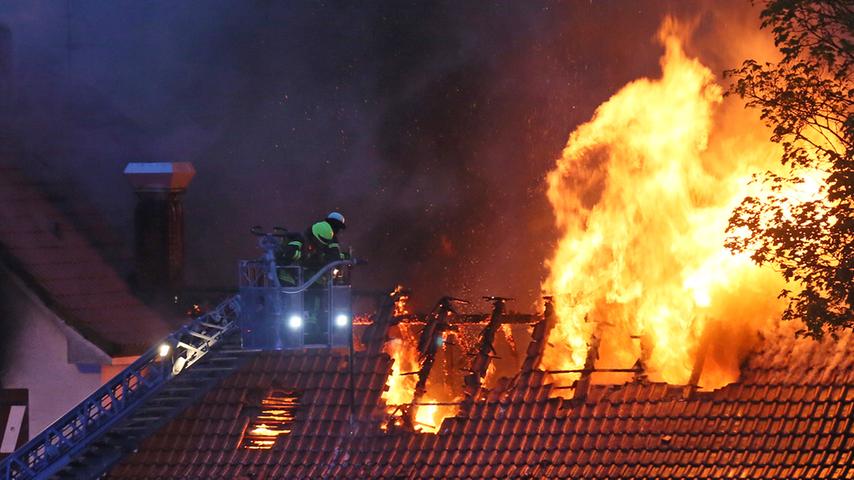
[13, 428]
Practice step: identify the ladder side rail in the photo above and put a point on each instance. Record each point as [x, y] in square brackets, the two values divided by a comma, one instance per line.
[137, 401]
[98, 411]
[36, 453]
[59, 462]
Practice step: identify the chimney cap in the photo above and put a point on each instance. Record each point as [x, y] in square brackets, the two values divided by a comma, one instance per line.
[160, 176]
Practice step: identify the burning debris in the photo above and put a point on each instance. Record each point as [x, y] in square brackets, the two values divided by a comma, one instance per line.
[402, 297]
[278, 411]
[441, 361]
[426, 396]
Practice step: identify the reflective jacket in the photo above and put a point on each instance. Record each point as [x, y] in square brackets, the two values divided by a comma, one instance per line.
[291, 252]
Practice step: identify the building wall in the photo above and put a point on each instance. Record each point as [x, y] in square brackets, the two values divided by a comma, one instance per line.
[38, 356]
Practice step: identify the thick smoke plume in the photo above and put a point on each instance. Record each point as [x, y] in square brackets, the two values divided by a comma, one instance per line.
[430, 125]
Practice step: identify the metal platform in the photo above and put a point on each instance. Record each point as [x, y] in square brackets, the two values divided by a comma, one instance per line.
[315, 312]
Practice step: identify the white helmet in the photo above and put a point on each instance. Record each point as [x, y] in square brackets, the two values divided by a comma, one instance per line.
[336, 220]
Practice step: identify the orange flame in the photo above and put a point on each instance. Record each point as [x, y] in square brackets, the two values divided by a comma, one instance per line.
[400, 385]
[277, 415]
[431, 413]
[642, 199]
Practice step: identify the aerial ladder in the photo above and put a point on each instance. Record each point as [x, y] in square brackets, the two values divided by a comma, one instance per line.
[89, 439]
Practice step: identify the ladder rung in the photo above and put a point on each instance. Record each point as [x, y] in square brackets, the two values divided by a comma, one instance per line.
[211, 325]
[191, 347]
[201, 335]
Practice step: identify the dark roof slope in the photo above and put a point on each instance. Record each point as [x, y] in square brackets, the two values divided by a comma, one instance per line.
[790, 416]
[45, 249]
[205, 441]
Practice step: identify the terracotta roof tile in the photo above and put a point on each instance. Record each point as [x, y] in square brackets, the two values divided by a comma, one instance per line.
[45, 249]
[771, 424]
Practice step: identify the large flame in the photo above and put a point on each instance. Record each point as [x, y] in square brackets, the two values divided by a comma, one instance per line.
[439, 401]
[642, 200]
[431, 412]
[400, 385]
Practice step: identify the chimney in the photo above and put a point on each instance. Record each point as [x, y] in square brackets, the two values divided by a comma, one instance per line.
[159, 223]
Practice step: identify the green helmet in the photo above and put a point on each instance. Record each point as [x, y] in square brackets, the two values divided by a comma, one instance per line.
[322, 231]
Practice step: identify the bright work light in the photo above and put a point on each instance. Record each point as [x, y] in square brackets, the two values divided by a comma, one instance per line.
[342, 320]
[164, 349]
[295, 321]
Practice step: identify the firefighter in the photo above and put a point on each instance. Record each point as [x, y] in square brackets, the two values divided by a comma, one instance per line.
[290, 254]
[320, 247]
[336, 221]
[316, 254]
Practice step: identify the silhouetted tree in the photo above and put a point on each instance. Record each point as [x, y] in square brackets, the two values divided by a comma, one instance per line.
[806, 98]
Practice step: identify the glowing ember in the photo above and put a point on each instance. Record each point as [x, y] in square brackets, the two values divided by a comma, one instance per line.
[400, 309]
[642, 199]
[277, 414]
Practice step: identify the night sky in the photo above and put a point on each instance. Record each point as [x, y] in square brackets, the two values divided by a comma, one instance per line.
[430, 125]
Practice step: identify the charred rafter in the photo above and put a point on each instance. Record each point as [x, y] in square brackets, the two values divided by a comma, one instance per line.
[429, 342]
[485, 349]
[539, 336]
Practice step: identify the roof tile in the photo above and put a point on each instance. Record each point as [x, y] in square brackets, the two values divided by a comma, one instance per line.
[769, 426]
[63, 267]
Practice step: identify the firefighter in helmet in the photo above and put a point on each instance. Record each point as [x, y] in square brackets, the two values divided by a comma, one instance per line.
[336, 221]
[290, 254]
[320, 247]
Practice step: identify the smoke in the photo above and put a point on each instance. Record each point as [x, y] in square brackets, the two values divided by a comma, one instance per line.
[429, 125]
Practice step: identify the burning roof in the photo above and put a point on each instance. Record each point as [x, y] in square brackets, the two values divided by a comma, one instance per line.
[659, 356]
[642, 195]
[788, 417]
[652, 362]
